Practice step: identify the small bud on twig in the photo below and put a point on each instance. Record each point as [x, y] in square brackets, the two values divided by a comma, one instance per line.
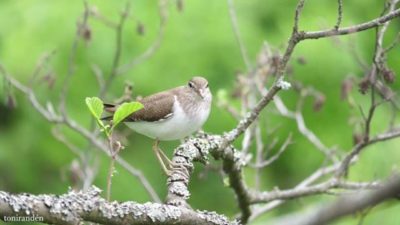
[388, 75]
[319, 101]
[364, 85]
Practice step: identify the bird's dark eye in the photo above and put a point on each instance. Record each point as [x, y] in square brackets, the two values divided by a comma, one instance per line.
[207, 85]
[191, 85]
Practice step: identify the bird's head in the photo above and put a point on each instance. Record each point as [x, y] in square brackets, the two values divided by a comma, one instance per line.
[199, 85]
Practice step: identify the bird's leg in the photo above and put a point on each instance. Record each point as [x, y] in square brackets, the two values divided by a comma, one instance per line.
[158, 153]
[179, 168]
[167, 160]
[167, 164]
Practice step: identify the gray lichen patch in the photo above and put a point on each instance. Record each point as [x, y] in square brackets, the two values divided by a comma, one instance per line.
[215, 218]
[198, 149]
[180, 189]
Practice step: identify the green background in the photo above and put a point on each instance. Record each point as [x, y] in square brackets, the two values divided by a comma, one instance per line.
[198, 41]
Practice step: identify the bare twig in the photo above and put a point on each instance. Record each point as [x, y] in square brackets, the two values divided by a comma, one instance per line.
[279, 84]
[360, 146]
[346, 205]
[393, 44]
[42, 62]
[311, 190]
[318, 174]
[352, 29]
[71, 62]
[301, 125]
[59, 136]
[235, 27]
[118, 50]
[276, 156]
[163, 10]
[100, 17]
[99, 76]
[340, 15]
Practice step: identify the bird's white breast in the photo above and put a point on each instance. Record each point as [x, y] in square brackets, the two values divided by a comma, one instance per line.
[178, 126]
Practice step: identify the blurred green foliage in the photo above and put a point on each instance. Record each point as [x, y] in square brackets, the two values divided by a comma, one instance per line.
[198, 40]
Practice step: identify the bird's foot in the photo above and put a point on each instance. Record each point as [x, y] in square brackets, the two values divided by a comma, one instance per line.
[169, 167]
[175, 168]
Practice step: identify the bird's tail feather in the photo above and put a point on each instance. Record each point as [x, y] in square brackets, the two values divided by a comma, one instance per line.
[109, 108]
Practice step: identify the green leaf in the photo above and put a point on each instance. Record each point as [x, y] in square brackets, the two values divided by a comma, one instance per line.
[95, 106]
[125, 110]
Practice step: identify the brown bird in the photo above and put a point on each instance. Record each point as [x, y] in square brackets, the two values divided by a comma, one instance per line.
[171, 115]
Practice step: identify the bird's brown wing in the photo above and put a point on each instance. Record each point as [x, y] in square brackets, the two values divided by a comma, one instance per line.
[156, 107]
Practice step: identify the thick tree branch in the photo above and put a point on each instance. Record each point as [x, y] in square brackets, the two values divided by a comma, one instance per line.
[198, 149]
[75, 207]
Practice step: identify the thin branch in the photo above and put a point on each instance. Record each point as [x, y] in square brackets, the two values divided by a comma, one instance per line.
[99, 75]
[235, 27]
[163, 10]
[312, 137]
[318, 174]
[393, 44]
[98, 16]
[118, 51]
[340, 15]
[299, 9]
[259, 155]
[276, 156]
[311, 190]
[279, 84]
[251, 116]
[360, 146]
[60, 137]
[346, 205]
[352, 29]
[42, 62]
[71, 62]
[301, 125]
